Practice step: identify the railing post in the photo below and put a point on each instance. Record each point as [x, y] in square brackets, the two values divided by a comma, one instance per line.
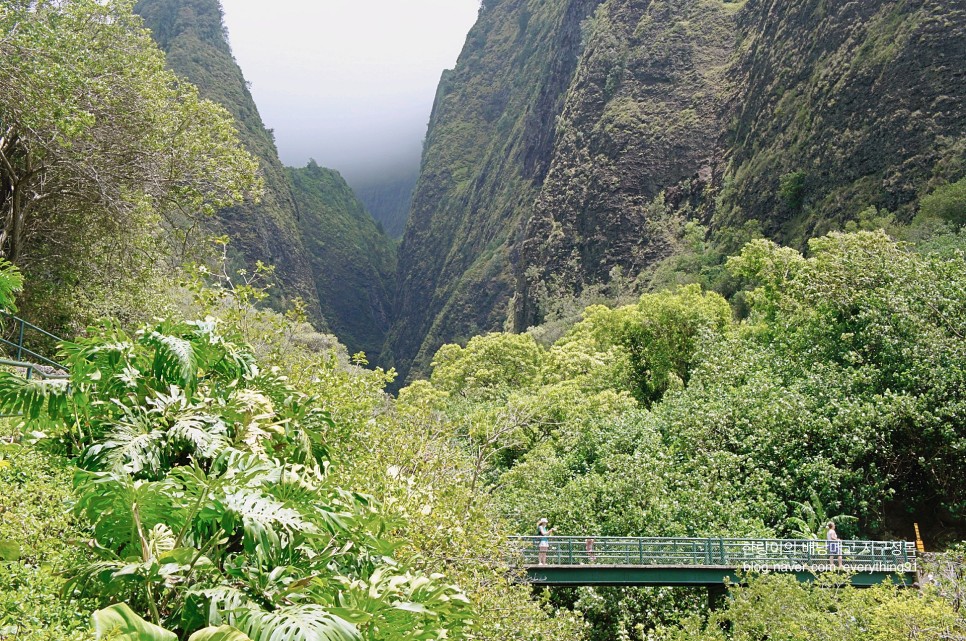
[640, 551]
[20, 341]
[721, 550]
[707, 551]
[570, 552]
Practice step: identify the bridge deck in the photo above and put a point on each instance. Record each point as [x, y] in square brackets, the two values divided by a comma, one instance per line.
[707, 562]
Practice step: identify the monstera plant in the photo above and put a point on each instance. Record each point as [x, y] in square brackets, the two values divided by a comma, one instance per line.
[205, 483]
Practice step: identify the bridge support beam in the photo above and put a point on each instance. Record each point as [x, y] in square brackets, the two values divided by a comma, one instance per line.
[716, 595]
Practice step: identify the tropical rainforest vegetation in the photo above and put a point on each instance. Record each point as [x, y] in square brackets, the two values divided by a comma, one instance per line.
[213, 469]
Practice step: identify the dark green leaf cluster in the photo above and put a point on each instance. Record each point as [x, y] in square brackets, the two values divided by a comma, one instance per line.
[107, 160]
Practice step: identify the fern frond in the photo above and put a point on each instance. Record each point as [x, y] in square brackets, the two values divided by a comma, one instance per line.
[11, 282]
[96, 578]
[33, 398]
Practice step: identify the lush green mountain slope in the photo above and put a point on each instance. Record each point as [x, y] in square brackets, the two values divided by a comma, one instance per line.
[388, 197]
[840, 106]
[562, 147]
[486, 155]
[353, 261]
[641, 115]
[193, 37]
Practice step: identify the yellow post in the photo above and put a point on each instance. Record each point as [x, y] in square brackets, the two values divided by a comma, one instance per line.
[919, 545]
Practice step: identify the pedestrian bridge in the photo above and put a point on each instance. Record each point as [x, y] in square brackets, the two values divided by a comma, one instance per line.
[580, 560]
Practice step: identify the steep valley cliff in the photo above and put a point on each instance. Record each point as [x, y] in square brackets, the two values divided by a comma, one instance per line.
[191, 34]
[575, 137]
[487, 153]
[353, 261]
[326, 248]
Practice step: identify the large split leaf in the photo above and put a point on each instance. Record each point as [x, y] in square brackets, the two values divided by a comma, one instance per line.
[122, 619]
[297, 623]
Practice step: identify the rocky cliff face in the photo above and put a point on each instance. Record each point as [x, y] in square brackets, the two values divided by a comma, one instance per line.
[353, 261]
[640, 116]
[192, 35]
[561, 142]
[840, 106]
[487, 153]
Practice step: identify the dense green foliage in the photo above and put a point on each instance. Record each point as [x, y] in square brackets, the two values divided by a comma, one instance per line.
[35, 523]
[354, 263]
[205, 484]
[824, 610]
[101, 147]
[411, 461]
[206, 474]
[840, 393]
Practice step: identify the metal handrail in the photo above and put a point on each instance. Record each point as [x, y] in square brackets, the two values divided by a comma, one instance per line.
[32, 369]
[22, 353]
[714, 552]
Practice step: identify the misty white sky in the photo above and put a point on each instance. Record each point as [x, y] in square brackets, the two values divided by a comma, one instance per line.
[347, 82]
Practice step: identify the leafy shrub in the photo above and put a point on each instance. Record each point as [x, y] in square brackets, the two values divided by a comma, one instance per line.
[204, 482]
[947, 202]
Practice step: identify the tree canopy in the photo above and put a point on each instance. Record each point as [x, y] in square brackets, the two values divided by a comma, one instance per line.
[101, 147]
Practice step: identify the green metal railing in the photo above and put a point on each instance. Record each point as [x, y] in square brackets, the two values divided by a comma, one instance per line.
[31, 370]
[24, 361]
[16, 331]
[752, 554]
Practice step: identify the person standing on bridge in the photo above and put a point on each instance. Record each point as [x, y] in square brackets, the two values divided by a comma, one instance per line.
[834, 545]
[543, 543]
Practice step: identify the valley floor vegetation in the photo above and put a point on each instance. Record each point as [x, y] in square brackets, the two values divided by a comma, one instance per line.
[199, 471]
[215, 470]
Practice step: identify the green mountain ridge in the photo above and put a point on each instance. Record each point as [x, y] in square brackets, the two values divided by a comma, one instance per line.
[192, 35]
[353, 260]
[573, 138]
[485, 156]
[324, 244]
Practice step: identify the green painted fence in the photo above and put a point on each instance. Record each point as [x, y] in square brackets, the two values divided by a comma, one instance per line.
[756, 554]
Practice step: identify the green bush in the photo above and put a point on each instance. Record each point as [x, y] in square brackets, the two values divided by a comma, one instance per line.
[947, 202]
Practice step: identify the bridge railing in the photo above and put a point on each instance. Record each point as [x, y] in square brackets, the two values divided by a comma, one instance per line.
[773, 554]
[16, 332]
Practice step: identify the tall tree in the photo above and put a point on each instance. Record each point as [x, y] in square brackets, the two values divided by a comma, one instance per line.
[100, 144]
